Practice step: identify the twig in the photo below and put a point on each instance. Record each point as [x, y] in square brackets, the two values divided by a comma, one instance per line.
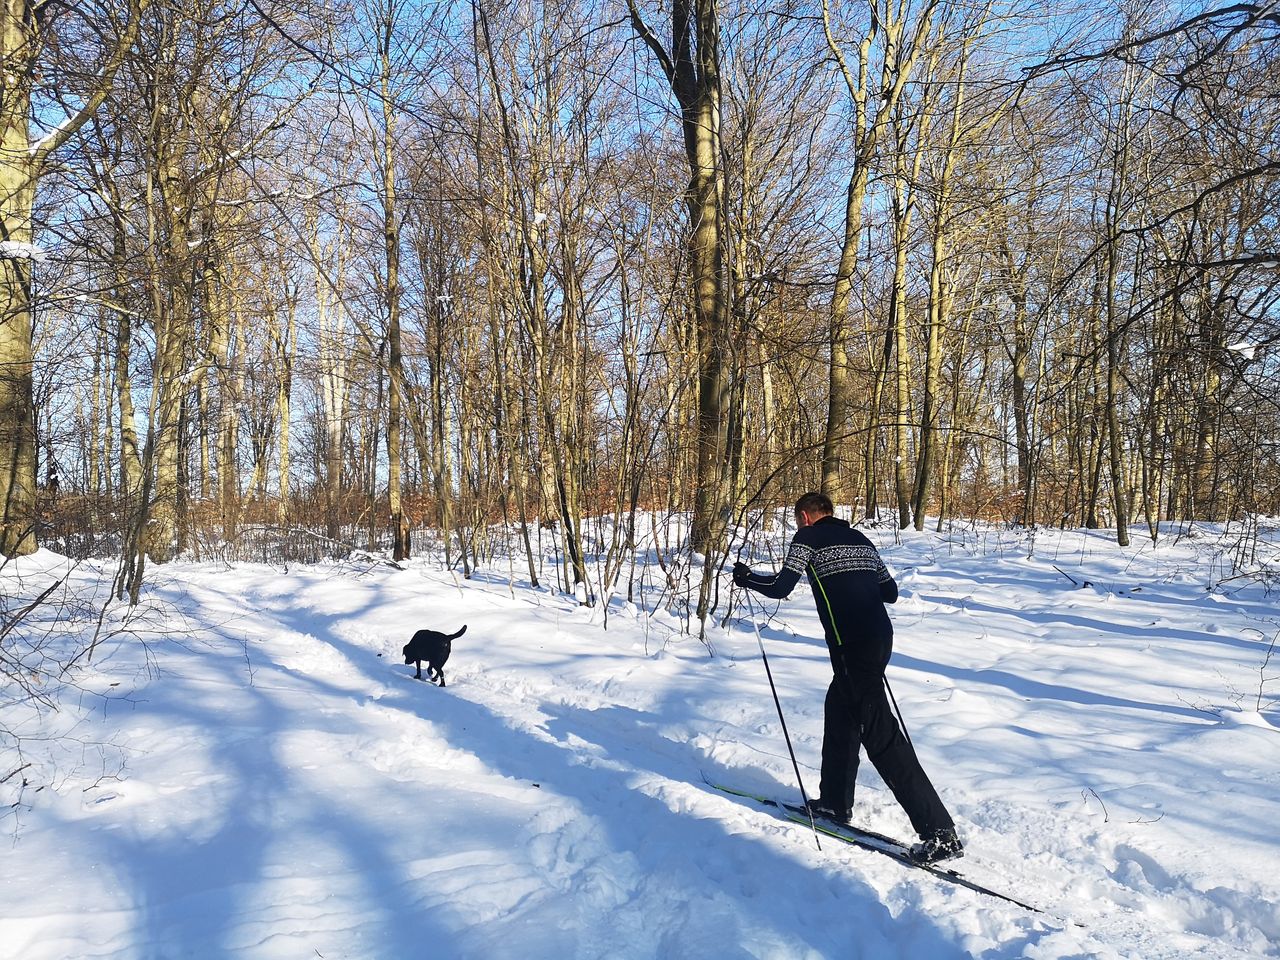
[1106, 817]
[1208, 711]
[244, 645]
[1151, 820]
[1262, 670]
[21, 614]
[1067, 575]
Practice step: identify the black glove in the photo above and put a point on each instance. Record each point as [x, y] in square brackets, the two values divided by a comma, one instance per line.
[740, 574]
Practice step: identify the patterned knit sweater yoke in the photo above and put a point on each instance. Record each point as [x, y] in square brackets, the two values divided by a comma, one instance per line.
[851, 586]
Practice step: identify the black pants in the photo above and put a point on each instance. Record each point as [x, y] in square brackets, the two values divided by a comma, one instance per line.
[858, 715]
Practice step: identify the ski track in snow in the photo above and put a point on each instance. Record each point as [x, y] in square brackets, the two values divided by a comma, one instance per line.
[289, 790]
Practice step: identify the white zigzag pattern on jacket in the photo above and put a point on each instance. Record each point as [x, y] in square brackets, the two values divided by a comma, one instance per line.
[848, 559]
[798, 557]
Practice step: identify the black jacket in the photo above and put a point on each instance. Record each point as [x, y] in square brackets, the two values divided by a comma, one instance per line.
[850, 585]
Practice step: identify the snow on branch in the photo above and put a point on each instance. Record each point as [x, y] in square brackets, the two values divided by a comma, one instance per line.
[14, 250]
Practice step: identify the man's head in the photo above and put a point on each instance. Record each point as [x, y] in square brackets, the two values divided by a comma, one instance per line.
[812, 507]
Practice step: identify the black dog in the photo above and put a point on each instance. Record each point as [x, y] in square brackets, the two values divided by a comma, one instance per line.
[434, 647]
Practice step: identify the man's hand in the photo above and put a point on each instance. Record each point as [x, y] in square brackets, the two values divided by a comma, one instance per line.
[740, 574]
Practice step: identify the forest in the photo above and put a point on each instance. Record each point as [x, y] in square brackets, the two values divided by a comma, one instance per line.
[280, 281]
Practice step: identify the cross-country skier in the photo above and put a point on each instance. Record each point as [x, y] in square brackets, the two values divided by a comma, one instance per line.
[851, 586]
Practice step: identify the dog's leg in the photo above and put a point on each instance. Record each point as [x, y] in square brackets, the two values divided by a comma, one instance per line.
[440, 671]
[418, 675]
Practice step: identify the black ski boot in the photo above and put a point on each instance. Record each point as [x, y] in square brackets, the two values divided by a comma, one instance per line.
[829, 811]
[942, 845]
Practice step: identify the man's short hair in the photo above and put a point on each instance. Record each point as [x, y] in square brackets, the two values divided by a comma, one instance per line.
[815, 503]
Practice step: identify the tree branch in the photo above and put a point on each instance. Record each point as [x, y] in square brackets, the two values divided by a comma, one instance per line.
[1252, 12]
[41, 150]
[652, 42]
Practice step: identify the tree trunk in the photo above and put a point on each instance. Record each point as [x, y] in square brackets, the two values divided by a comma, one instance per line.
[172, 311]
[1115, 437]
[903, 210]
[286, 345]
[333, 370]
[941, 298]
[902, 47]
[693, 71]
[21, 163]
[395, 366]
[19, 39]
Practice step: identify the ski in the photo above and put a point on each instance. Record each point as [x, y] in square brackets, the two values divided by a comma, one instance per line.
[869, 836]
[869, 840]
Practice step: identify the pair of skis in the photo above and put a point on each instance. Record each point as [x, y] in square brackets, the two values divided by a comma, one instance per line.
[869, 840]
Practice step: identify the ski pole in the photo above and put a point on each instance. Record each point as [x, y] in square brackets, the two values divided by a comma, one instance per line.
[755, 627]
[898, 710]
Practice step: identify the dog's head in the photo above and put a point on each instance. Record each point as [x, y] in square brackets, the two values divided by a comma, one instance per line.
[405, 651]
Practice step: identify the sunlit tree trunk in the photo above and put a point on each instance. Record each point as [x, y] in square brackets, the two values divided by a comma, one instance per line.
[21, 163]
[391, 240]
[692, 66]
[903, 38]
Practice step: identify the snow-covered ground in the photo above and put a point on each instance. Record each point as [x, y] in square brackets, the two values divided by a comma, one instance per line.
[247, 769]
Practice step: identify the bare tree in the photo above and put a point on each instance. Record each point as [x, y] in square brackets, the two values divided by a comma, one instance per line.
[32, 74]
[892, 39]
[691, 63]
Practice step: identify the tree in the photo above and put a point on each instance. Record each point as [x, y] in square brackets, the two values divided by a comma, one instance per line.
[691, 64]
[31, 76]
[896, 35]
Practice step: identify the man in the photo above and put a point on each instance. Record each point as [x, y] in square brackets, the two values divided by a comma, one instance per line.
[851, 586]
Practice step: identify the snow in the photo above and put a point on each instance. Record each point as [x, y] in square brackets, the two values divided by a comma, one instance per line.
[1244, 348]
[16, 250]
[248, 769]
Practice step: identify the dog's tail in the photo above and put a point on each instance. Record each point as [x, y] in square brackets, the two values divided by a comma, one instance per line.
[455, 636]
